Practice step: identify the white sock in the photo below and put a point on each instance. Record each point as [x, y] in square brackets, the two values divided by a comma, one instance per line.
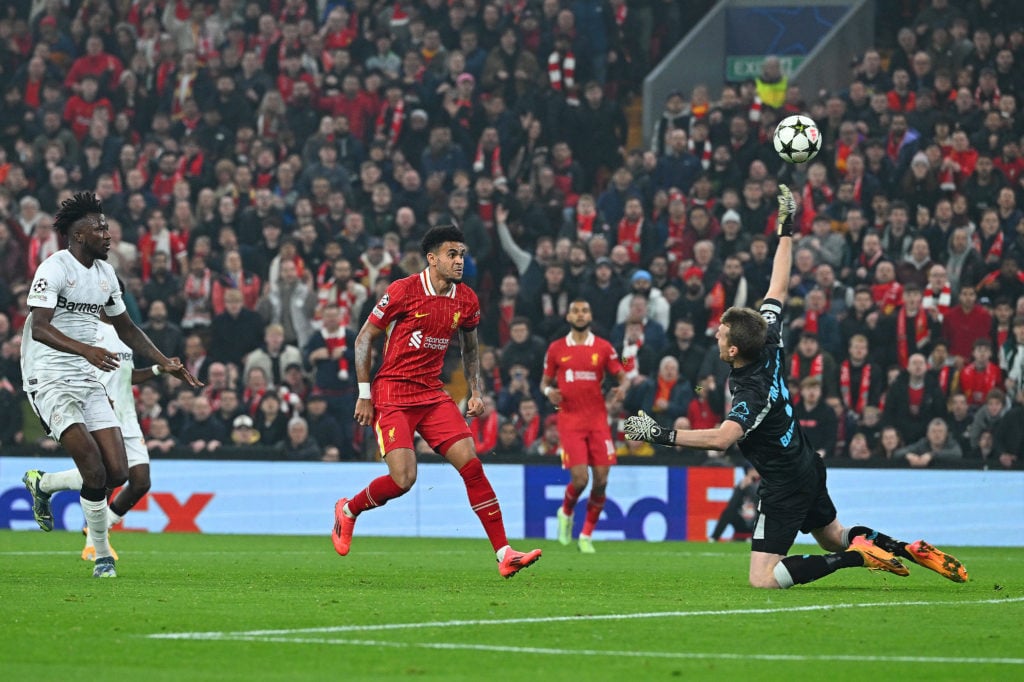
[96, 520]
[501, 552]
[782, 576]
[60, 480]
[112, 518]
[346, 512]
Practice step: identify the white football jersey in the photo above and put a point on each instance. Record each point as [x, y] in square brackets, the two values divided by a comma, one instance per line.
[76, 294]
[119, 382]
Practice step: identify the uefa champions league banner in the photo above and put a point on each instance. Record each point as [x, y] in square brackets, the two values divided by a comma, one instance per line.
[652, 503]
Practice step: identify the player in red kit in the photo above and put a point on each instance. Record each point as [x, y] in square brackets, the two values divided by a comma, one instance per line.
[418, 316]
[574, 370]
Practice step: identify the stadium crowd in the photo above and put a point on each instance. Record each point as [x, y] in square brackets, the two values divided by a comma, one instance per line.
[268, 167]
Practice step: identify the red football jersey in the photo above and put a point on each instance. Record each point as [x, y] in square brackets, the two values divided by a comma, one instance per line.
[579, 371]
[419, 323]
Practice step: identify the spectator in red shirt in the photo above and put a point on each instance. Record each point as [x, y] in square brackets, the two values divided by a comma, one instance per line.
[982, 375]
[886, 291]
[966, 323]
[95, 62]
[81, 108]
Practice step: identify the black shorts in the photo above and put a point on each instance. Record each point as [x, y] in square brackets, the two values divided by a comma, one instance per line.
[779, 518]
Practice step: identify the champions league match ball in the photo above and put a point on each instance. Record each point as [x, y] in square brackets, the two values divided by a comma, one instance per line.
[797, 139]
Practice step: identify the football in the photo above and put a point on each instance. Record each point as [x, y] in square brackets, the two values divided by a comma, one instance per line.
[797, 139]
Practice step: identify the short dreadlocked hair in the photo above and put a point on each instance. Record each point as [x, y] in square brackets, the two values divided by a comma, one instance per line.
[74, 209]
[439, 234]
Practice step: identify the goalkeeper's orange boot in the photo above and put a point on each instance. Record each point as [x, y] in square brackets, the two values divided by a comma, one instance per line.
[876, 558]
[343, 526]
[514, 561]
[89, 552]
[946, 565]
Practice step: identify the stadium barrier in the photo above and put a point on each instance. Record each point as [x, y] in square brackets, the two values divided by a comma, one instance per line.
[652, 503]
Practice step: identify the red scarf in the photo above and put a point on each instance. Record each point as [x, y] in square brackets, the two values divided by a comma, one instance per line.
[252, 400]
[995, 244]
[562, 71]
[716, 307]
[893, 146]
[479, 161]
[705, 153]
[920, 333]
[674, 243]
[629, 236]
[817, 364]
[339, 295]
[809, 199]
[585, 226]
[887, 296]
[939, 300]
[863, 390]
[842, 151]
[485, 432]
[811, 321]
[333, 340]
[529, 432]
[393, 128]
[944, 379]
[755, 110]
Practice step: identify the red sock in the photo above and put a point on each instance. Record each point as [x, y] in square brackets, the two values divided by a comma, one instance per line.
[484, 502]
[376, 494]
[572, 495]
[594, 507]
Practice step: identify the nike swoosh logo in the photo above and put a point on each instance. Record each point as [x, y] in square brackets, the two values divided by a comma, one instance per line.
[567, 358]
[419, 315]
[496, 511]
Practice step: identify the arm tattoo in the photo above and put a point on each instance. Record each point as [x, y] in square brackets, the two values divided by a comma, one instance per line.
[471, 360]
[363, 345]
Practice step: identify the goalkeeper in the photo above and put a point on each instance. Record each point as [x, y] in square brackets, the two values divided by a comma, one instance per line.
[794, 496]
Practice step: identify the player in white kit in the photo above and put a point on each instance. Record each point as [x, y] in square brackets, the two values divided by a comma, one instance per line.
[118, 385]
[59, 360]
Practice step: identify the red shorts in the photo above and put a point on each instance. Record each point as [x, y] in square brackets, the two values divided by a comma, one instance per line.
[440, 424]
[594, 448]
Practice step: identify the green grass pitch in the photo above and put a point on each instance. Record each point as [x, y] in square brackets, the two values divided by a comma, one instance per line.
[201, 607]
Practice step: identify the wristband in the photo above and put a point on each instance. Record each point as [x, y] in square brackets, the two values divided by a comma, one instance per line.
[547, 390]
[156, 370]
[364, 390]
[662, 436]
[786, 227]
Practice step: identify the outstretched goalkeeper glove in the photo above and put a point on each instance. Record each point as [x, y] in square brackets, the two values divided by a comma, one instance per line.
[643, 427]
[787, 208]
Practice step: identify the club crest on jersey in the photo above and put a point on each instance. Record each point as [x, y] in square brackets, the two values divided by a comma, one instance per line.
[455, 319]
[104, 285]
[595, 358]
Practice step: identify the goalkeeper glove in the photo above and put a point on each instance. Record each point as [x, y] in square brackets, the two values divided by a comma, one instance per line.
[643, 427]
[787, 208]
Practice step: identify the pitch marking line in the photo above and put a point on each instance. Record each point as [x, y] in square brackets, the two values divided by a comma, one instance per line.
[273, 635]
[449, 646]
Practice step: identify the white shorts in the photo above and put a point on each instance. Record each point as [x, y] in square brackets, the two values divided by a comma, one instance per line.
[59, 406]
[137, 451]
